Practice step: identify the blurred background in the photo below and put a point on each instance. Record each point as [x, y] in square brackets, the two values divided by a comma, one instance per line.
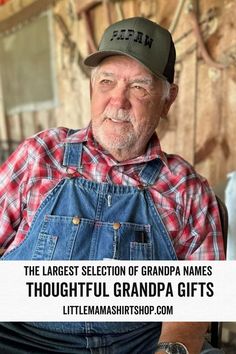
[44, 84]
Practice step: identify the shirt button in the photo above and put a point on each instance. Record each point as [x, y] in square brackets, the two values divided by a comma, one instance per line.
[76, 220]
[70, 173]
[141, 187]
[116, 225]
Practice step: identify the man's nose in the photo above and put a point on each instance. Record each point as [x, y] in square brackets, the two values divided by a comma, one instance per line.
[120, 97]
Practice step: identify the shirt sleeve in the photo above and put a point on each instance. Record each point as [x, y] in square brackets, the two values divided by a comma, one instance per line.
[202, 235]
[13, 174]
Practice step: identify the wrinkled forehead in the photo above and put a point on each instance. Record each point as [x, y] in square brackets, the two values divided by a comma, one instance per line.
[121, 65]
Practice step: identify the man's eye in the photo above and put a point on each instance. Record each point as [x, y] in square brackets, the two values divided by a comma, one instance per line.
[139, 91]
[139, 88]
[106, 82]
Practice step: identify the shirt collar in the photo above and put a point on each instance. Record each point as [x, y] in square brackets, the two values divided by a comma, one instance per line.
[85, 136]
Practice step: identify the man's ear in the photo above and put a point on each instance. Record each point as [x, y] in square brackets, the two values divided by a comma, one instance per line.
[168, 101]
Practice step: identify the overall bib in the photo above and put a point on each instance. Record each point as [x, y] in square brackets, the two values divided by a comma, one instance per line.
[85, 220]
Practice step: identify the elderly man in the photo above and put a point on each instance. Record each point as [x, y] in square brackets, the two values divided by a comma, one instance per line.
[110, 192]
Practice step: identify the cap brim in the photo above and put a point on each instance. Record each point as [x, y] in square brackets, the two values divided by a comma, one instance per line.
[95, 59]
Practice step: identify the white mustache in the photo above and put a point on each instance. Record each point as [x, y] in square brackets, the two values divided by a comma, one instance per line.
[117, 114]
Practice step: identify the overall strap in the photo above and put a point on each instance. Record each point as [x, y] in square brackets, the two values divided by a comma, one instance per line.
[73, 153]
[151, 171]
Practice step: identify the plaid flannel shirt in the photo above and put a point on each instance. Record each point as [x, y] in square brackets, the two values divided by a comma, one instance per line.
[183, 198]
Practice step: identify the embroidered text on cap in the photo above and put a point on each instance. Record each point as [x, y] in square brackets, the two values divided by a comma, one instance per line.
[130, 34]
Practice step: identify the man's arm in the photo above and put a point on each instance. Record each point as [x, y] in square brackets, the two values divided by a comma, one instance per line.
[191, 334]
[12, 174]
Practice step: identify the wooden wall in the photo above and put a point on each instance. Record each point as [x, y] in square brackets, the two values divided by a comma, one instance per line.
[201, 125]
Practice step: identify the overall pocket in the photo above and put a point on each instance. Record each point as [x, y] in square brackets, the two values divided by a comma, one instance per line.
[65, 238]
[133, 241]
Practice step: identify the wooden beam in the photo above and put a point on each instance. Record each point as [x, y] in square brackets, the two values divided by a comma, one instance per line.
[18, 11]
[86, 5]
[3, 120]
[12, 7]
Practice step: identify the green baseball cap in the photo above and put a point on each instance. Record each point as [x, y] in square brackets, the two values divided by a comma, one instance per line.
[140, 39]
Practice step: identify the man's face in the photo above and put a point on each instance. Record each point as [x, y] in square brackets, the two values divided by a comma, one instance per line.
[126, 105]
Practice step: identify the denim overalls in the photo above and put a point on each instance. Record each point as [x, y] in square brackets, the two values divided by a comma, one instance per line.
[85, 220]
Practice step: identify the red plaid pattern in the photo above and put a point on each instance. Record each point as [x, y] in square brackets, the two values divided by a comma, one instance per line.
[183, 198]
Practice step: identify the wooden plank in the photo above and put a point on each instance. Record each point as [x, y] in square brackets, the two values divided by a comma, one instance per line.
[73, 84]
[22, 11]
[228, 117]
[185, 110]
[28, 122]
[216, 101]
[13, 7]
[226, 52]
[179, 137]
[3, 123]
[209, 119]
[85, 5]
[14, 125]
